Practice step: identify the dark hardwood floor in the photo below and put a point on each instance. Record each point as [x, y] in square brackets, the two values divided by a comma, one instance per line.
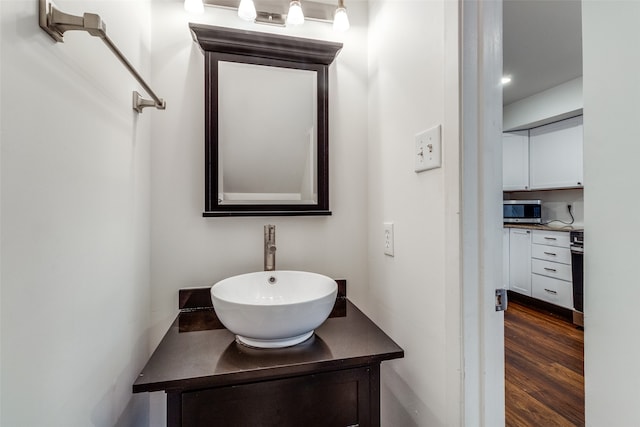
[544, 369]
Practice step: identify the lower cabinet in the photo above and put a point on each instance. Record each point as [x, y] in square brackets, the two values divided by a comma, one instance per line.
[343, 398]
[539, 265]
[551, 268]
[520, 261]
[558, 292]
[505, 258]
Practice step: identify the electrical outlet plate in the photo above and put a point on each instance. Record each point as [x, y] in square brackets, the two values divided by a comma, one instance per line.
[428, 153]
[388, 238]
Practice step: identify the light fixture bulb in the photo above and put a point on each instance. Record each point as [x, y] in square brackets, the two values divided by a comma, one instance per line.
[505, 80]
[340, 19]
[194, 6]
[295, 15]
[247, 10]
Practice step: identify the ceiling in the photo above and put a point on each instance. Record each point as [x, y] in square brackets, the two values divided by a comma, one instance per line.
[542, 45]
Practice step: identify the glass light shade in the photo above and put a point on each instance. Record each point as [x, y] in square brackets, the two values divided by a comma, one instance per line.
[295, 15]
[194, 6]
[247, 10]
[341, 20]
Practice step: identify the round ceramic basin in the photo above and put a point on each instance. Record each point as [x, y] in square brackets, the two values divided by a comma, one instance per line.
[272, 309]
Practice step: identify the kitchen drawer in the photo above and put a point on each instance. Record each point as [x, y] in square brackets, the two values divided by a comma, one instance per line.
[558, 292]
[551, 269]
[551, 238]
[551, 253]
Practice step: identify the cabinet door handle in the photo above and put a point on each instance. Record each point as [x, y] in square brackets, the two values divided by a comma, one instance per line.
[550, 238]
[550, 253]
[550, 291]
[550, 269]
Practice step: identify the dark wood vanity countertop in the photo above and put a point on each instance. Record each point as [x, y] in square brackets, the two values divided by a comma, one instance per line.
[197, 352]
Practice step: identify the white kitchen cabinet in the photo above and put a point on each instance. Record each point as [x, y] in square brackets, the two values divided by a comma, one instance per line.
[520, 261]
[555, 270]
[551, 238]
[551, 268]
[539, 265]
[515, 161]
[505, 258]
[554, 291]
[550, 253]
[555, 155]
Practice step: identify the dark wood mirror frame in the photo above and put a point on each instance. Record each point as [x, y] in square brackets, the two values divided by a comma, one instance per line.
[226, 44]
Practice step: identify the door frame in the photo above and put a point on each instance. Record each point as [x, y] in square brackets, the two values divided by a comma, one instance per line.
[481, 175]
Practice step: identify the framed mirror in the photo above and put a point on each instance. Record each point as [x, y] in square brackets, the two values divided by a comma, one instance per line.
[266, 119]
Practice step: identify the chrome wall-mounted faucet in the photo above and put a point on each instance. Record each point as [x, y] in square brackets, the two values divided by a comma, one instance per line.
[269, 247]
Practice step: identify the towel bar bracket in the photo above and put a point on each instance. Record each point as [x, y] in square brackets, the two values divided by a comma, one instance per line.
[55, 23]
[139, 103]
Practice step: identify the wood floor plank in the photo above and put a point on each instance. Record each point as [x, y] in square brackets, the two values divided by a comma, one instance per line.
[552, 385]
[528, 412]
[544, 369]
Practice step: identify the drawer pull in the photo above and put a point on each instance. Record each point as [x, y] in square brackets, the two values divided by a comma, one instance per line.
[550, 269]
[550, 238]
[550, 253]
[551, 292]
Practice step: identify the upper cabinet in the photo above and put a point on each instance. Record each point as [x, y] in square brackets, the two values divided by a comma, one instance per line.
[543, 158]
[555, 155]
[515, 161]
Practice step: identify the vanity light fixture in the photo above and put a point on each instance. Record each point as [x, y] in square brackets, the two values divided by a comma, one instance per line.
[340, 18]
[295, 15]
[194, 6]
[285, 12]
[505, 80]
[247, 10]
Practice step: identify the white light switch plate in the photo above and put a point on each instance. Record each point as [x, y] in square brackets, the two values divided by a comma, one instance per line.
[428, 149]
[388, 238]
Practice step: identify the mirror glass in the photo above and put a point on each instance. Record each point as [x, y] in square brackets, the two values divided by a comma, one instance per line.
[267, 135]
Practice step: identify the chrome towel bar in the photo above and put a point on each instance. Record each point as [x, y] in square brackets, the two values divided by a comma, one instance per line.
[55, 23]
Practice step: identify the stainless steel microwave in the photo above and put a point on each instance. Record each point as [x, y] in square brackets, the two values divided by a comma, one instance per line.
[522, 211]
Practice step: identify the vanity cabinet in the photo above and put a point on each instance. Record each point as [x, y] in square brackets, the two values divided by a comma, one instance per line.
[555, 155]
[520, 261]
[330, 380]
[340, 398]
[515, 161]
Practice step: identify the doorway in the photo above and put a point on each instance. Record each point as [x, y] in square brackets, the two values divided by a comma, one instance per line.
[542, 55]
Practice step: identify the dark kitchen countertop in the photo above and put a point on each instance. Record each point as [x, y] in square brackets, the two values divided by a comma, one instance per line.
[198, 352]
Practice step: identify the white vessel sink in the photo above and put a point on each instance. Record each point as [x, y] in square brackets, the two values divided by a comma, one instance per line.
[272, 309]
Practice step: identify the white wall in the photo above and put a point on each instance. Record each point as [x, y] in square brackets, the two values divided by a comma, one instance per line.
[74, 210]
[415, 296]
[612, 350]
[189, 250]
[554, 104]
